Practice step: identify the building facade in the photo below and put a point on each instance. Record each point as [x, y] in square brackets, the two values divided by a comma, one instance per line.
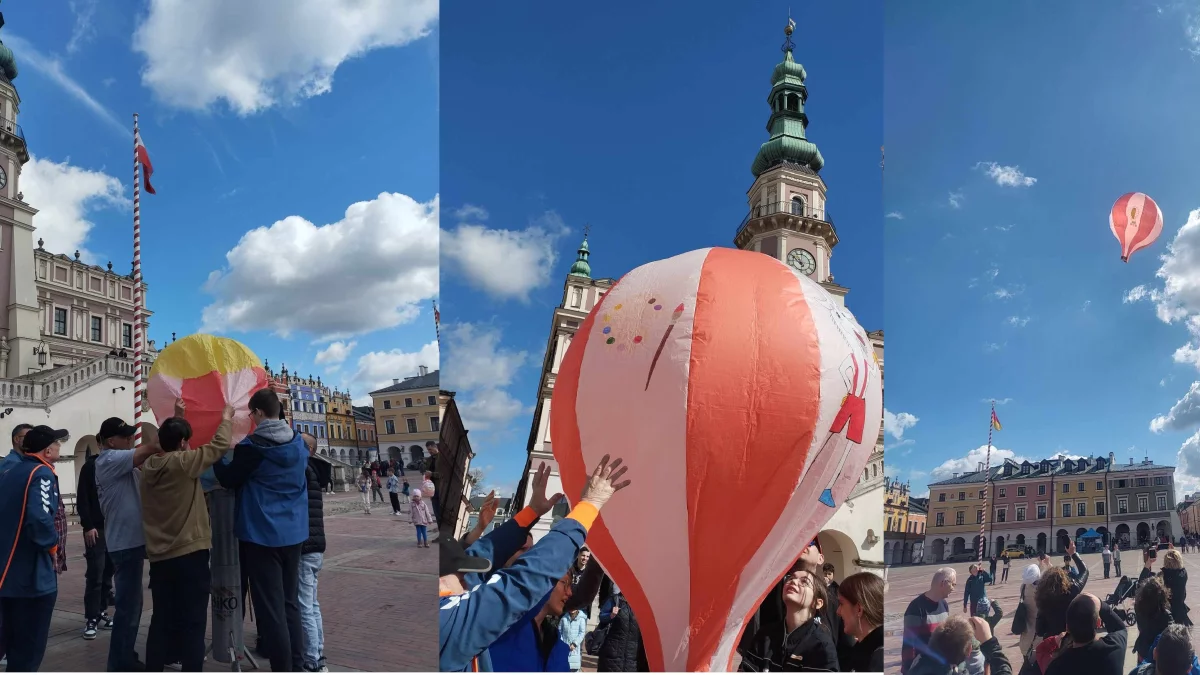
[454, 469]
[787, 219]
[340, 423]
[408, 415]
[309, 408]
[1142, 501]
[904, 525]
[278, 383]
[366, 439]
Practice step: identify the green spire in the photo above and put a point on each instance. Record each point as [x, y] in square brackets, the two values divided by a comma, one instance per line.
[788, 121]
[581, 268]
[8, 64]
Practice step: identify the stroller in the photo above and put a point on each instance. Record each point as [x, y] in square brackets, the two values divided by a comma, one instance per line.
[1126, 590]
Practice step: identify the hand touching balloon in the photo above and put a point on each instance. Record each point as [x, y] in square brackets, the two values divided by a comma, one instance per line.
[180, 408]
[539, 502]
[603, 483]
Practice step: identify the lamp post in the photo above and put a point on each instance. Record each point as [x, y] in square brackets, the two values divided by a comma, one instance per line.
[41, 352]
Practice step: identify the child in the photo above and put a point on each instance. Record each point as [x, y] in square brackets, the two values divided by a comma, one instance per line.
[422, 516]
[406, 488]
[572, 628]
[364, 487]
[393, 486]
[801, 641]
[427, 490]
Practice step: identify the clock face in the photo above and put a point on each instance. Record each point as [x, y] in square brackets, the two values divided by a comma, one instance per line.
[3, 178]
[802, 261]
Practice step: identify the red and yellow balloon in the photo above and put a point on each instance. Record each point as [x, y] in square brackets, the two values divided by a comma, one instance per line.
[208, 373]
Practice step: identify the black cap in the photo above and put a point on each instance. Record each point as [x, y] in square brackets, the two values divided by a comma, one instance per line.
[455, 560]
[41, 437]
[115, 427]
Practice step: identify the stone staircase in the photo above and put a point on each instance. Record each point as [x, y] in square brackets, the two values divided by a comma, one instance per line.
[45, 388]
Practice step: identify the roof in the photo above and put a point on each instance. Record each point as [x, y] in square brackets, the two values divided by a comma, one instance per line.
[501, 502]
[429, 381]
[1055, 468]
[918, 505]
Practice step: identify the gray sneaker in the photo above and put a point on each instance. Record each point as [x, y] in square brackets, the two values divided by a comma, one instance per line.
[89, 630]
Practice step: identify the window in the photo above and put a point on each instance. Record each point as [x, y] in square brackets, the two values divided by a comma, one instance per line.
[889, 524]
[1141, 482]
[982, 493]
[1001, 491]
[97, 325]
[412, 425]
[1020, 513]
[1066, 510]
[1081, 509]
[941, 520]
[1041, 490]
[1000, 515]
[435, 424]
[1122, 505]
[296, 406]
[1162, 503]
[797, 206]
[432, 400]
[387, 405]
[1066, 488]
[1041, 511]
[307, 430]
[389, 426]
[962, 496]
[959, 518]
[941, 497]
[60, 321]
[1143, 504]
[1099, 485]
[979, 516]
[1020, 492]
[408, 403]
[126, 335]
[1082, 488]
[1121, 484]
[1099, 508]
[1160, 480]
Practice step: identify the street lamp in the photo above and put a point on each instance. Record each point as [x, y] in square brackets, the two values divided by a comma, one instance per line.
[41, 353]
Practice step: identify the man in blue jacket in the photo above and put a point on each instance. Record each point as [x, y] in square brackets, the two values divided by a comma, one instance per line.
[268, 471]
[469, 621]
[28, 544]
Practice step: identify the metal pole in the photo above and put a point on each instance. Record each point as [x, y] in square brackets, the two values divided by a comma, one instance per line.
[987, 470]
[137, 291]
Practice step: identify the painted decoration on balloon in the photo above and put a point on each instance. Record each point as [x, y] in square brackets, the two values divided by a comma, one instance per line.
[1136, 222]
[208, 373]
[746, 403]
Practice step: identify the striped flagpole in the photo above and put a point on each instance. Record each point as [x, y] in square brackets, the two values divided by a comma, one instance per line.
[987, 471]
[137, 292]
[437, 324]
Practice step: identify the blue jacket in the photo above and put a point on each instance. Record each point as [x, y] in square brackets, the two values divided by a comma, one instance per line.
[517, 650]
[572, 632]
[29, 485]
[272, 505]
[471, 622]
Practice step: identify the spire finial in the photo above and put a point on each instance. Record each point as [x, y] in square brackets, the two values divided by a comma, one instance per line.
[788, 45]
[586, 230]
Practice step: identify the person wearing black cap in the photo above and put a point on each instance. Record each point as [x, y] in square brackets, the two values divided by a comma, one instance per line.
[469, 621]
[29, 546]
[98, 579]
[118, 483]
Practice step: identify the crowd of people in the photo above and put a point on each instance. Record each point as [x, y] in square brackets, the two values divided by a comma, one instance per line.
[1063, 628]
[149, 504]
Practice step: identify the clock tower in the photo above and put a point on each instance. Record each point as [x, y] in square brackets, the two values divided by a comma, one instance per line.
[787, 218]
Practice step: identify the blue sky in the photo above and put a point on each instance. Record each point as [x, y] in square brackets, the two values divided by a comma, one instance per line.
[1006, 151]
[644, 124]
[256, 127]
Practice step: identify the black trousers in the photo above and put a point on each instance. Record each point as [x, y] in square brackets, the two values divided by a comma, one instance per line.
[98, 579]
[26, 625]
[180, 588]
[274, 576]
[395, 501]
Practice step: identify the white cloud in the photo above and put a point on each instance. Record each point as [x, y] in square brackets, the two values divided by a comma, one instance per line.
[481, 369]
[254, 55]
[376, 370]
[67, 196]
[1136, 294]
[470, 212]
[491, 409]
[970, 463]
[900, 444]
[1187, 463]
[1086, 304]
[1018, 321]
[991, 347]
[1002, 228]
[1003, 293]
[993, 272]
[956, 199]
[1184, 415]
[52, 69]
[1006, 176]
[335, 353]
[505, 264]
[369, 271]
[895, 424]
[998, 401]
[84, 28]
[895, 215]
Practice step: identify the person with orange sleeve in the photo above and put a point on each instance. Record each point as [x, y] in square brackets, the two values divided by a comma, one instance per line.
[29, 547]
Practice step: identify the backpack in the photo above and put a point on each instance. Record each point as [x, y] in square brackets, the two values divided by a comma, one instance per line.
[1021, 616]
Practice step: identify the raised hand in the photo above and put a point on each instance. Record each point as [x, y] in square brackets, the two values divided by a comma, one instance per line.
[602, 484]
[488, 510]
[226, 413]
[538, 502]
[180, 408]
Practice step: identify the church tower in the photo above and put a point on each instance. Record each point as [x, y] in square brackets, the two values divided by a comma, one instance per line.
[787, 218]
[19, 322]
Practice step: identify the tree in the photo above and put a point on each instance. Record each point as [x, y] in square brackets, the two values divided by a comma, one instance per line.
[475, 477]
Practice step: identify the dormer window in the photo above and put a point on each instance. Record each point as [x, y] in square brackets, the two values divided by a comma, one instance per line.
[797, 206]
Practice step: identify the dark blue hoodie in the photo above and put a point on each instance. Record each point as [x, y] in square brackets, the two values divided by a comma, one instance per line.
[517, 651]
[27, 486]
[268, 470]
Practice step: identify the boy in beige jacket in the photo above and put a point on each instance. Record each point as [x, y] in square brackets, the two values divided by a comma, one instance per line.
[178, 539]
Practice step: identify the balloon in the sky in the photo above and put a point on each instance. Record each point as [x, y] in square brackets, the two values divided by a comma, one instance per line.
[746, 403]
[1136, 222]
[208, 372]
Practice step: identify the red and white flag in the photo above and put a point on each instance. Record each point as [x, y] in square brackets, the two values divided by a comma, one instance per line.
[144, 159]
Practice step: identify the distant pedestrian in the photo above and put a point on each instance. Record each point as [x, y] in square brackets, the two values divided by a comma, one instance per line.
[393, 486]
[1004, 571]
[1106, 555]
[992, 571]
[376, 487]
[1116, 558]
[421, 518]
[405, 487]
[312, 558]
[364, 489]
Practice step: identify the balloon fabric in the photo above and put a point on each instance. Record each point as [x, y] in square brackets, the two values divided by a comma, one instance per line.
[746, 402]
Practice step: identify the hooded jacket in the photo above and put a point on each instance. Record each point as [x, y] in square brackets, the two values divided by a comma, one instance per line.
[88, 501]
[28, 542]
[808, 648]
[268, 470]
[316, 510]
[174, 513]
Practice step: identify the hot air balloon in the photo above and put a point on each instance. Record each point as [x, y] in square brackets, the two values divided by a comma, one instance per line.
[747, 402]
[1136, 222]
[208, 373]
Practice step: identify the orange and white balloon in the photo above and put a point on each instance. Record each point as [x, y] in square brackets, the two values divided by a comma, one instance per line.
[1136, 222]
[208, 373]
[746, 402]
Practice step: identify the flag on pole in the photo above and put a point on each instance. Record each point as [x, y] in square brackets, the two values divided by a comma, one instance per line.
[144, 160]
[995, 421]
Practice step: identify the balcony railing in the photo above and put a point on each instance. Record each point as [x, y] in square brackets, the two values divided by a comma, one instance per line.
[795, 208]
